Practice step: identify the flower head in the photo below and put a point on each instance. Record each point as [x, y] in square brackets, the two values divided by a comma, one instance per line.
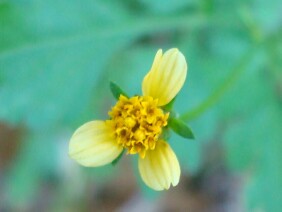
[136, 124]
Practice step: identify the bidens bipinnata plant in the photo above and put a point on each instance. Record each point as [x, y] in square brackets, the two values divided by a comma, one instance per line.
[140, 125]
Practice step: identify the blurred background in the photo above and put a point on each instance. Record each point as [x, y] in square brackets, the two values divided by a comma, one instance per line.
[56, 61]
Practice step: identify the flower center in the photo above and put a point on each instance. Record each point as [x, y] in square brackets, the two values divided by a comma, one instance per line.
[138, 123]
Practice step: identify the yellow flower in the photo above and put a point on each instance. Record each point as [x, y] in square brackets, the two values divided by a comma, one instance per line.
[136, 124]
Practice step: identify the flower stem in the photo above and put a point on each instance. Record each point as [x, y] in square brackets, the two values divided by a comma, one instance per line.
[221, 89]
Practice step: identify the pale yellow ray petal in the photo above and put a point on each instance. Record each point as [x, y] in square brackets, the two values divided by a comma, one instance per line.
[166, 77]
[147, 79]
[93, 144]
[160, 168]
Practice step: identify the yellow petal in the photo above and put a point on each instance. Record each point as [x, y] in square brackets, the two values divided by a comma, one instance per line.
[93, 144]
[166, 77]
[160, 167]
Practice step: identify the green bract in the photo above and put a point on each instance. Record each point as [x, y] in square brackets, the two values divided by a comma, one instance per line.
[116, 90]
[180, 128]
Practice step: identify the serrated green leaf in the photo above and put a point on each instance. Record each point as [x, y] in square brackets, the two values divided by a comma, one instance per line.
[115, 161]
[116, 90]
[180, 128]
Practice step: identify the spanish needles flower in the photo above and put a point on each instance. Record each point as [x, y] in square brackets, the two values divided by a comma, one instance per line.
[137, 124]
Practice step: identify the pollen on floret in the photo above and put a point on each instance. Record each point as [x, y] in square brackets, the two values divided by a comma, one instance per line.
[137, 123]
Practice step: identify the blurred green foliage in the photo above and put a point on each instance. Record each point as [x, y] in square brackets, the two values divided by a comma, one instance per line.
[57, 58]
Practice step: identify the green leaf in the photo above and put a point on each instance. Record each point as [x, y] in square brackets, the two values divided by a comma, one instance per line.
[180, 128]
[115, 161]
[116, 90]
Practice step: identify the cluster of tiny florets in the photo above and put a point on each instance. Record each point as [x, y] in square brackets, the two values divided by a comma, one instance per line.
[137, 123]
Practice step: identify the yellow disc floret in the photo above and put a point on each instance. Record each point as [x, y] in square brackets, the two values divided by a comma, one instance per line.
[137, 123]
